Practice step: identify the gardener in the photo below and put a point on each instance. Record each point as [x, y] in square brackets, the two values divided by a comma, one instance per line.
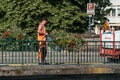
[106, 26]
[42, 40]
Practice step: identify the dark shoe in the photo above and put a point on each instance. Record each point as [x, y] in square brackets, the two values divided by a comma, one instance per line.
[45, 63]
[40, 63]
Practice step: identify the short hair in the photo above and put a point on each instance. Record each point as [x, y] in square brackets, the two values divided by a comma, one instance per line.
[44, 18]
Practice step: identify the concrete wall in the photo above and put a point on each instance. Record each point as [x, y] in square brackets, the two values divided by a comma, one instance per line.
[60, 69]
[61, 72]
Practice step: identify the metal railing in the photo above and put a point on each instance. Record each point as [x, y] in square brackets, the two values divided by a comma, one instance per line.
[18, 51]
[26, 51]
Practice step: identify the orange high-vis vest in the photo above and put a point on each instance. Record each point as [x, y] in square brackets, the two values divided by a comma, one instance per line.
[42, 37]
[106, 25]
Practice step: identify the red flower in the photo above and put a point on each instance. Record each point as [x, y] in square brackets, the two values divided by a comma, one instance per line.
[20, 36]
[79, 35]
[5, 35]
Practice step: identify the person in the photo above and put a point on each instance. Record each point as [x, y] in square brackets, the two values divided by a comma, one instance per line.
[42, 40]
[106, 25]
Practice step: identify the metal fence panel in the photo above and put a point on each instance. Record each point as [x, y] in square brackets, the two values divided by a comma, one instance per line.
[26, 51]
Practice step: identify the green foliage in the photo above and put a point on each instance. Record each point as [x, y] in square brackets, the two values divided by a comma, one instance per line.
[101, 10]
[70, 40]
[26, 14]
[69, 15]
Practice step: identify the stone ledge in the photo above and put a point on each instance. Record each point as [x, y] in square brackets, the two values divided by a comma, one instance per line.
[60, 69]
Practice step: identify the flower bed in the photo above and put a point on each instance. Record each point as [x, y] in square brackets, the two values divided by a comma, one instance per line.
[67, 40]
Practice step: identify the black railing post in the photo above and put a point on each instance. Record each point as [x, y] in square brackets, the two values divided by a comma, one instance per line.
[78, 56]
[2, 54]
[22, 52]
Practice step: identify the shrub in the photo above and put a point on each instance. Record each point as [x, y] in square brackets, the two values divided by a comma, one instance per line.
[68, 40]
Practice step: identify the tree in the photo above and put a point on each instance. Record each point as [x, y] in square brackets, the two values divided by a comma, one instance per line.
[101, 10]
[26, 14]
[69, 15]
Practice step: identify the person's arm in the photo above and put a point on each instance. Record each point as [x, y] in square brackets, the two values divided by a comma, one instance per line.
[39, 29]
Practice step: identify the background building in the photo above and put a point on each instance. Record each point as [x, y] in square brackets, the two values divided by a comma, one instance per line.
[114, 15]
